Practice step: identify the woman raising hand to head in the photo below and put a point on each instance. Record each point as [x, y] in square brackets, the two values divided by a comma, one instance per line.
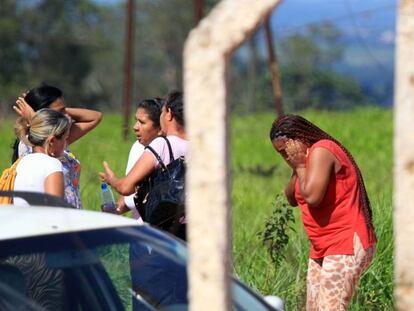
[41, 171]
[328, 187]
[82, 122]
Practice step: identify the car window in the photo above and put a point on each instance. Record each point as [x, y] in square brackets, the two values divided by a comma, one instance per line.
[132, 268]
[144, 278]
[115, 259]
[49, 281]
[148, 273]
[111, 269]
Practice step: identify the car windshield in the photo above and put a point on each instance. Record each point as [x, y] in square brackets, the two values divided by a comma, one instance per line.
[130, 268]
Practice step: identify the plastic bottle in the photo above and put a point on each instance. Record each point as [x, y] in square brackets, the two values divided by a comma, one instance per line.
[108, 201]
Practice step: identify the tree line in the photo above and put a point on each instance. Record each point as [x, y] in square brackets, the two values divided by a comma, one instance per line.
[78, 45]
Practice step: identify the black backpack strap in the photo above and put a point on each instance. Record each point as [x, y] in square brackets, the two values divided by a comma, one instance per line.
[169, 148]
[157, 155]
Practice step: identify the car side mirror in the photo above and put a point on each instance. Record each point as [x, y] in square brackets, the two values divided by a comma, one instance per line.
[275, 302]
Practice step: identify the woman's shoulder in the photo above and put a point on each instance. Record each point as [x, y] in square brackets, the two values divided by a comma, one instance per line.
[334, 148]
[326, 143]
[177, 139]
[178, 147]
[51, 164]
[173, 140]
[68, 158]
[44, 157]
[40, 161]
[137, 147]
[157, 140]
[24, 149]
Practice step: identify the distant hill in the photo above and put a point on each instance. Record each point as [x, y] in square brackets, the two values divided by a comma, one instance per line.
[368, 29]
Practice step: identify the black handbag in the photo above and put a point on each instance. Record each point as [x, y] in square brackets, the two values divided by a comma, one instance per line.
[140, 197]
[165, 202]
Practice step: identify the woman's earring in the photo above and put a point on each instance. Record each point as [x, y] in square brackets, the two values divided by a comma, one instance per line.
[51, 153]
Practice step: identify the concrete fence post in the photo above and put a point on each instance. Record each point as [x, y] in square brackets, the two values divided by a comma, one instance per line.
[206, 55]
[404, 158]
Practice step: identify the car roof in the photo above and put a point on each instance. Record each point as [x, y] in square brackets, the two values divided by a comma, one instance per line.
[19, 221]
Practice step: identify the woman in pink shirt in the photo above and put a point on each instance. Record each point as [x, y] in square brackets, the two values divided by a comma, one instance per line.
[327, 186]
[172, 126]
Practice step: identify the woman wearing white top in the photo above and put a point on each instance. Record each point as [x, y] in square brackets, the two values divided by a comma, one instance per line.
[41, 171]
[82, 122]
[144, 264]
[172, 125]
[146, 128]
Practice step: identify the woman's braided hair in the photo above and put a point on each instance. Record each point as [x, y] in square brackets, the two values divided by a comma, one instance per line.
[297, 127]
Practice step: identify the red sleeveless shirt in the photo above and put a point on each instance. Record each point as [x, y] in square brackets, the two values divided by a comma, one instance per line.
[331, 225]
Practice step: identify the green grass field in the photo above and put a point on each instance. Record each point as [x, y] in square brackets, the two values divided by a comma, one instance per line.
[258, 174]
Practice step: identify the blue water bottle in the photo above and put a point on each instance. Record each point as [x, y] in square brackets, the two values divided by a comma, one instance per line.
[108, 201]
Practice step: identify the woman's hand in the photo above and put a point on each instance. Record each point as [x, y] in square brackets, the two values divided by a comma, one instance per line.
[109, 176]
[296, 152]
[126, 185]
[121, 206]
[23, 109]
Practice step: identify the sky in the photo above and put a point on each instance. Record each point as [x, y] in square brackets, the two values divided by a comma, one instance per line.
[108, 1]
[289, 15]
[367, 26]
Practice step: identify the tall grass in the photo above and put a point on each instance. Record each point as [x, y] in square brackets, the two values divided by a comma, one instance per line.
[258, 174]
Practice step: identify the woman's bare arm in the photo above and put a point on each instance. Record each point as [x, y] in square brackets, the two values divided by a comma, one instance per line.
[314, 179]
[84, 121]
[121, 207]
[126, 185]
[54, 184]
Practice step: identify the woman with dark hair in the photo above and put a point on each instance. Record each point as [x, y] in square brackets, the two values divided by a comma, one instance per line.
[83, 121]
[327, 186]
[172, 126]
[147, 127]
[168, 289]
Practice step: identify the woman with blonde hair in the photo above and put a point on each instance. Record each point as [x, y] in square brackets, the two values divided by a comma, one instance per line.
[41, 170]
[82, 122]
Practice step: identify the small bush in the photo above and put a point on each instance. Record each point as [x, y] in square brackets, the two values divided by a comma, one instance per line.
[275, 236]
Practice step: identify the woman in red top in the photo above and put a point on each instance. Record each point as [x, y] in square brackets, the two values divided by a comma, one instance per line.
[327, 186]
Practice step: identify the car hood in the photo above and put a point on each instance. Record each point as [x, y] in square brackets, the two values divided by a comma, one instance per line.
[18, 222]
